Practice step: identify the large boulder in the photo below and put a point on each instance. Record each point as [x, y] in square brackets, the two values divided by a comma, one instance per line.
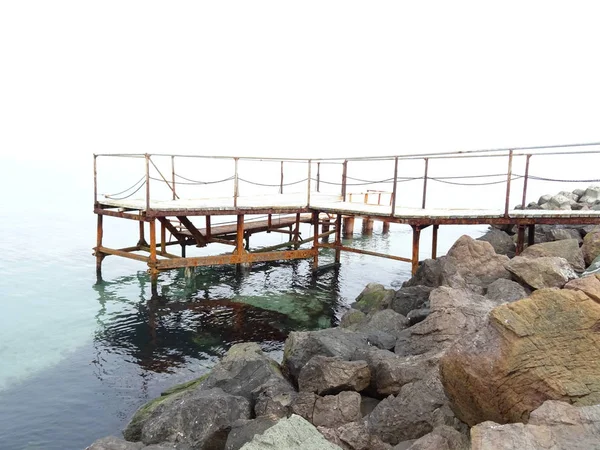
[114, 443]
[199, 419]
[243, 369]
[554, 425]
[503, 290]
[331, 375]
[544, 347]
[591, 246]
[558, 202]
[330, 411]
[294, 433]
[374, 297]
[410, 298]
[244, 431]
[589, 285]
[429, 273]
[591, 195]
[560, 232]
[442, 437]
[566, 248]
[274, 398]
[415, 411]
[501, 241]
[454, 313]
[354, 436]
[540, 273]
[473, 265]
[301, 346]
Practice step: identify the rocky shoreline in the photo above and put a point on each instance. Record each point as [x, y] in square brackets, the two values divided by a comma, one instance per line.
[480, 350]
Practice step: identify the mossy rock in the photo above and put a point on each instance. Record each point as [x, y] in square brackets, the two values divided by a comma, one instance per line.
[374, 297]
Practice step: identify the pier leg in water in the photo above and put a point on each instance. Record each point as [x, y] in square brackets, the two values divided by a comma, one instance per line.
[98, 253]
[367, 226]
[386, 227]
[189, 277]
[142, 242]
[348, 228]
[415, 248]
[338, 237]
[152, 263]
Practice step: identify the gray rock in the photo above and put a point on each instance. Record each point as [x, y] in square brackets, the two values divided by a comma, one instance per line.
[544, 199]
[381, 339]
[554, 425]
[411, 414]
[374, 297]
[557, 233]
[274, 398]
[429, 273]
[354, 436]
[566, 248]
[243, 369]
[335, 410]
[352, 317]
[387, 320]
[417, 315]
[454, 313]
[331, 375]
[505, 291]
[473, 265]
[532, 205]
[294, 433]
[591, 245]
[559, 202]
[114, 443]
[503, 244]
[578, 193]
[405, 445]
[244, 431]
[389, 372]
[591, 195]
[367, 405]
[570, 195]
[411, 297]
[301, 346]
[593, 268]
[543, 272]
[199, 418]
[442, 437]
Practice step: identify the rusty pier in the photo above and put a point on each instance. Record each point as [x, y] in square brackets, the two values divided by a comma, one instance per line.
[193, 201]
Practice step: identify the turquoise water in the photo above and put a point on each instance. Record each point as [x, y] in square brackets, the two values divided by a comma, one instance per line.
[79, 355]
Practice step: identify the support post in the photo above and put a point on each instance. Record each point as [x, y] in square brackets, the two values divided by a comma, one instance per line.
[530, 234]
[525, 178]
[315, 220]
[344, 175]
[508, 180]
[386, 227]
[99, 255]
[425, 183]
[415, 248]
[297, 231]
[173, 177]
[142, 240]
[308, 185]
[395, 188]
[434, 240]
[163, 238]
[348, 226]
[208, 230]
[338, 237]
[367, 226]
[153, 259]
[235, 183]
[239, 238]
[520, 239]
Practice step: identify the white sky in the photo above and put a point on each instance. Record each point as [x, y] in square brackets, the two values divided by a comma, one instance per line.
[310, 78]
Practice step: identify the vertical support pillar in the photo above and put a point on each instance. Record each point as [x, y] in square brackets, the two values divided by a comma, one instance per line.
[208, 230]
[147, 182]
[508, 180]
[183, 250]
[415, 248]
[520, 239]
[367, 226]
[338, 237]
[297, 231]
[152, 263]
[142, 241]
[531, 234]
[434, 240]
[318, 177]
[163, 238]
[99, 254]
[348, 226]
[239, 238]
[315, 220]
[386, 227]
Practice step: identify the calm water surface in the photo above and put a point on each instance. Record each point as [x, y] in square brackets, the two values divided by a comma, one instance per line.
[78, 356]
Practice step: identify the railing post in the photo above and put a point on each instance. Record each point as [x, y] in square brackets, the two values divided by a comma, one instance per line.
[508, 180]
[318, 177]
[344, 175]
[235, 183]
[309, 175]
[173, 176]
[525, 180]
[425, 183]
[147, 182]
[394, 188]
[95, 182]
[281, 180]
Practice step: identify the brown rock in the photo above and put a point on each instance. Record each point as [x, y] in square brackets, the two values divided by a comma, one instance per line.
[591, 246]
[566, 248]
[544, 347]
[442, 438]
[330, 375]
[589, 285]
[540, 273]
[333, 411]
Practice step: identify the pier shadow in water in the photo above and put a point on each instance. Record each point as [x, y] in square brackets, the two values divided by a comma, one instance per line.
[199, 317]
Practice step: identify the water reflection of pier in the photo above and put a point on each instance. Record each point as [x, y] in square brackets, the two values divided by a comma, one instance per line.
[166, 325]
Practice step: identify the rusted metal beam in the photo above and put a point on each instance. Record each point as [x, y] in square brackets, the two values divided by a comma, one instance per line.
[152, 261]
[239, 237]
[290, 244]
[415, 248]
[297, 231]
[187, 223]
[363, 252]
[163, 254]
[222, 241]
[164, 179]
[99, 254]
[166, 223]
[520, 239]
[163, 239]
[208, 230]
[434, 240]
[228, 212]
[121, 215]
[112, 251]
[142, 239]
[235, 258]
